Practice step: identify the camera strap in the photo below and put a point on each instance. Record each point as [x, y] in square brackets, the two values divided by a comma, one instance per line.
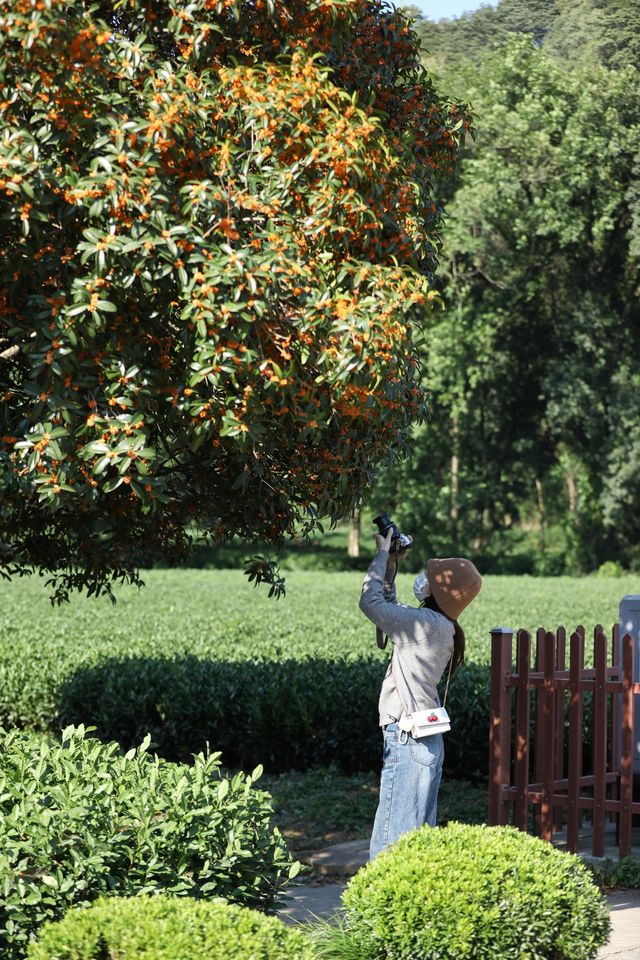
[381, 639]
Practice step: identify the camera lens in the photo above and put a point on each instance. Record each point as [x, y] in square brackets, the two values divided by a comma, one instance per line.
[383, 522]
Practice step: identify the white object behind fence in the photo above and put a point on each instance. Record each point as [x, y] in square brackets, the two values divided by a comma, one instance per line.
[630, 623]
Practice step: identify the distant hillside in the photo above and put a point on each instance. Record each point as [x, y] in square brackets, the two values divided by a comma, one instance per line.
[574, 31]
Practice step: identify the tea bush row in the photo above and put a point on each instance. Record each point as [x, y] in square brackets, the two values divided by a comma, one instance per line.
[198, 656]
[79, 820]
[291, 714]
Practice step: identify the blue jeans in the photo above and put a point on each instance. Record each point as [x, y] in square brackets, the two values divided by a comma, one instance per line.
[411, 774]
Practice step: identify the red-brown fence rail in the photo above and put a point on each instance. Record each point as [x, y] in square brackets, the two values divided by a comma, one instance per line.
[561, 738]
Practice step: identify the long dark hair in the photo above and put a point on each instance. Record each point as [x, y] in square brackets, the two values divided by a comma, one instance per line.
[459, 641]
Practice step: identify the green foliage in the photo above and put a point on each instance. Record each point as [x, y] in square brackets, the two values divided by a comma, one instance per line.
[190, 660]
[285, 713]
[79, 821]
[322, 805]
[533, 366]
[159, 928]
[332, 940]
[454, 48]
[593, 32]
[467, 753]
[217, 241]
[468, 891]
[626, 873]
[614, 874]
[462, 801]
[610, 569]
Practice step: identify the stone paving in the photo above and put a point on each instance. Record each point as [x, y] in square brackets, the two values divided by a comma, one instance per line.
[306, 902]
[322, 899]
[624, 943]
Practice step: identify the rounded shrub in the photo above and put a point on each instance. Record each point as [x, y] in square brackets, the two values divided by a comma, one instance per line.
[475, 893]
[163, 928]
[79, 820]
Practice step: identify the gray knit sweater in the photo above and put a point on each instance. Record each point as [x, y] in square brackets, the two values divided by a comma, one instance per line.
[422, 644]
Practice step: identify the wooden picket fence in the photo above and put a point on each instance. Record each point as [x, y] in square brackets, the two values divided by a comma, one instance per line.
[537, 780]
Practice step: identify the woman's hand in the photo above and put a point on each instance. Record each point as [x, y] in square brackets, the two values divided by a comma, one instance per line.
[396, 557]
[384, 543]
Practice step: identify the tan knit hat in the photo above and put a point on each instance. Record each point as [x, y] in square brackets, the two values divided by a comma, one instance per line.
[454, 583]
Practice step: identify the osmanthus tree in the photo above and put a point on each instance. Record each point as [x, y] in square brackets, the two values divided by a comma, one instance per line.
[217, 237]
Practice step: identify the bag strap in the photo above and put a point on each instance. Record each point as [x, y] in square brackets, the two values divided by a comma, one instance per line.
[446, 692]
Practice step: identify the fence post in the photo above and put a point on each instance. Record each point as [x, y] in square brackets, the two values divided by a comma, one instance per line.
[500, 729]
[558, 773]
[576, 661]
[599, 737]
[521, 764]
[540, 744]
[626, 763]
[546, 730]
[614, 756]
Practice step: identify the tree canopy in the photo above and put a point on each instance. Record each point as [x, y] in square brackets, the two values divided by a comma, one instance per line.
[573, 32]
[218, 233]
[529, 457]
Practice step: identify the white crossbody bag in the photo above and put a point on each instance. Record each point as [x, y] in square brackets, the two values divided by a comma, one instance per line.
[424, 723]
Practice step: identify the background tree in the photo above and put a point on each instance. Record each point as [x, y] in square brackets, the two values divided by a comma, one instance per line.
[218, 235]
[573, 32]
[456, 47]
[528, 456]
[605, 32]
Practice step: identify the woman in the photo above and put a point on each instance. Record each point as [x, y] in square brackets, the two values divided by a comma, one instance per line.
[426, 641]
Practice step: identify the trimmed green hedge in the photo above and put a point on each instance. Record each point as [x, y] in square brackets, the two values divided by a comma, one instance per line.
[78, 820]
[487, 893]
[160, 928]
[291, 714]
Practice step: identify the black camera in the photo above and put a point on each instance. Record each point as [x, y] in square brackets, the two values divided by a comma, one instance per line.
[399, 541]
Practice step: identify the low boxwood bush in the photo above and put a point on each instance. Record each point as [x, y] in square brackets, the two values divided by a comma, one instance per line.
[162, 928]
[79, 820]
[487, 893]
[613, 874]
